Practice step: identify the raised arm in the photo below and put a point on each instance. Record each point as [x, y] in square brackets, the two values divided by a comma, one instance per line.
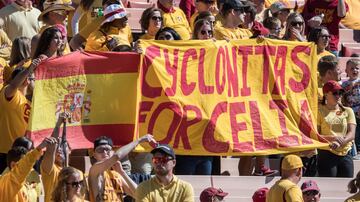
[341, 8]
[102, 166]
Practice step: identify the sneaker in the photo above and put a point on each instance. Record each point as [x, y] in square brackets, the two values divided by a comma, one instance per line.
[265, 171]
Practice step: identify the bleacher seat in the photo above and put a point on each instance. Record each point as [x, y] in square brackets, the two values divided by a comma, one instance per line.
[135, 4]
[350, 48]
[346, 35]
[134, 15]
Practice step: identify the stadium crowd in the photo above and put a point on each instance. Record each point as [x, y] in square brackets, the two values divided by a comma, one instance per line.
[33, 31]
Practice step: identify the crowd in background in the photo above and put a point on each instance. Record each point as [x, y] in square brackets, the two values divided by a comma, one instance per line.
[33, 31]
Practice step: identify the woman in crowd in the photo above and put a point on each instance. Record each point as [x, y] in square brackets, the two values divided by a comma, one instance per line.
[50, 43]
[206, 15]
[114, 24]
[20, 52]
[167, 33]
[203, 30]
[354, 188]
[70, 187]
[202, 6]
[320, 36]
[336, 124]
[151, 21]
[295, 28]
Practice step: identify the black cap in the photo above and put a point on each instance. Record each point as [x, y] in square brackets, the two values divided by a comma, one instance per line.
[164, 148]
[103, 140]
[234, 4]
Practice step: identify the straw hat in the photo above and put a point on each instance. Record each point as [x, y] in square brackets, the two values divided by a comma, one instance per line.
[53, 5]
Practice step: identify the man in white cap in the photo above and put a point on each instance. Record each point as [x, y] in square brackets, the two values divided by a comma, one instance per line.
[19, 19]
[115, 24]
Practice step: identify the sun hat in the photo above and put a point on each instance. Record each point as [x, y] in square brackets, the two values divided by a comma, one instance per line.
[54, 5]
[113, 12]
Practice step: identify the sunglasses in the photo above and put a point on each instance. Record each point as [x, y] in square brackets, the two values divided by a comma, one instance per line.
[296, 23]
[165, 37]
[311, 193]
[155, 18]
[103, 149]
[204, 32]
[338, 93]
[162, 160]
[76, 184]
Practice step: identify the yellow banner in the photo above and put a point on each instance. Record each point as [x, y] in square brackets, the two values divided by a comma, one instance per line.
[230, 98]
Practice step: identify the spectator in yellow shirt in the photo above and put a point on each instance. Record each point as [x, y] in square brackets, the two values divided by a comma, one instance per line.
[70, 186]
[151, 21]
[115, 24]
[107, 179]
[286, 188]
[175, 18]
[20, 162]
[164, 186]
[320, 36]
[233, 12]
[5, 45]
[54, 160]
[15, 108]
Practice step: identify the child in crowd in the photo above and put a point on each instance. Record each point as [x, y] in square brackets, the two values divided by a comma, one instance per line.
[352, 94]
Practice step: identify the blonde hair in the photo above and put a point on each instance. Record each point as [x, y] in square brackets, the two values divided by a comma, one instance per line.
[289, 20]
[60, 193]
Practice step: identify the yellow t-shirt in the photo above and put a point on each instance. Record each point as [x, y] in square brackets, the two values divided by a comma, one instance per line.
[152, 190]
[113, 189]
[334, 122]
[91, 14]
[354, 198]
[221, 33]
[284, 189]
[97, 40]
[14, 118]
[32, 186]
[192, 21]
[12, 184]
[324, 53]
[6, 43]
[177, 20]
[352, 18]
[147, 37]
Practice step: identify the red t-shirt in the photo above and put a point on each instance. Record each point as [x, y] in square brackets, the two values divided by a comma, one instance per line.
[331, 19]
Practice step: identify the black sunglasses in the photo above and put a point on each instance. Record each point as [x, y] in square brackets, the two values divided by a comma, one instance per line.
[311, 193]
[76, 184]
[296, 23]
[155, 18]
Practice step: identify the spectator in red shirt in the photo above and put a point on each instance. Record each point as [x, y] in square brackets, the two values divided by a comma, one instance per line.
[333, 11]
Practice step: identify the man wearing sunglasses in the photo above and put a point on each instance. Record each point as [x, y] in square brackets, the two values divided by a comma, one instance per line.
[311, 191]
[107, 179]
[233, 13]
[164, 186]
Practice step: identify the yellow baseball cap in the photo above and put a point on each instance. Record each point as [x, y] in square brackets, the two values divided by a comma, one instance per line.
[291, 162]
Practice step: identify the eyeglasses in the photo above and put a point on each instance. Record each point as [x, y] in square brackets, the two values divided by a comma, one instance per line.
[155, 18]
[338, 93]
[296, 23]
[165, 37]
[76, 184]
[204, 32]
[311, 193]
[162, 160]
[103, 149]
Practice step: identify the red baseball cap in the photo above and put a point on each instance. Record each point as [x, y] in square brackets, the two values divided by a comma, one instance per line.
[309, 185]
[331, 86]
[260, 195]
[207, 194]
